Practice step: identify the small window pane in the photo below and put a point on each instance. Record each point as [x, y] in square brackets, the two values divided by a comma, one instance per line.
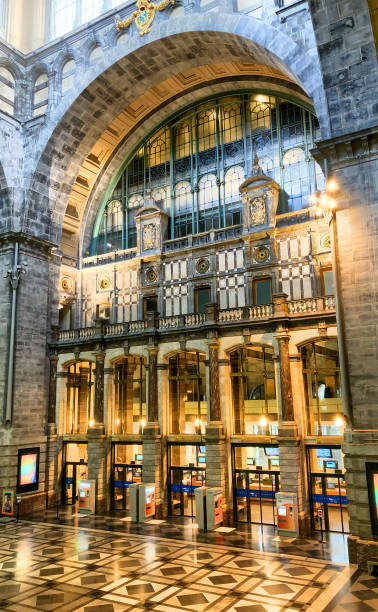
[202, 298]
[328, 282]
[263, 291]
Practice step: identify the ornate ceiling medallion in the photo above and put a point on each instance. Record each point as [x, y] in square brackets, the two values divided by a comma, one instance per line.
[144, 16]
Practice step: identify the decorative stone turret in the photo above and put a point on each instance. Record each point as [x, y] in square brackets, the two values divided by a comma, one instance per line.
[151, 223]
[259, 194]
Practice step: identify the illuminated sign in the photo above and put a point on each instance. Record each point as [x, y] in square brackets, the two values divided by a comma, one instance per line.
[27, 470]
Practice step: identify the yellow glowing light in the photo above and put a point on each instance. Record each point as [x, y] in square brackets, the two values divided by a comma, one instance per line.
[313, 199]
[261, 98]
[332, 185]
[318, 211]
[143, 423]
[91, 423]
[263, 422]
[331, 203]
[324, 199]
[339, 421]
[117, 421]
[197, 422]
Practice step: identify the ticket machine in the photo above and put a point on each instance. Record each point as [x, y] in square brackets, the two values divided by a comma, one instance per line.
[142, 501]
[200, 498]
[287, 514]
[87, 496]
[214, 510]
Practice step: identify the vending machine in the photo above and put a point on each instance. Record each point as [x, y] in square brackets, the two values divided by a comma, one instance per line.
[287, 514]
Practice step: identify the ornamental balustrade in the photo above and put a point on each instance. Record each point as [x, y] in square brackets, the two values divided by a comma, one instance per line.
[224, 317]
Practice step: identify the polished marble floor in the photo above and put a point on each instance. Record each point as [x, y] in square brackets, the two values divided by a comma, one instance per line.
[106, 564]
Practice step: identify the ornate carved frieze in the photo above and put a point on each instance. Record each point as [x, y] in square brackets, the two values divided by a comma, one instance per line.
[149, 236]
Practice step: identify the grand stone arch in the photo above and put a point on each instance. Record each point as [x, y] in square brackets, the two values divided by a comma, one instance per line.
[173, 46]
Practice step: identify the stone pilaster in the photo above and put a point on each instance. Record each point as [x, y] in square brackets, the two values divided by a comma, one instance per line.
[152, 446]
[51, 471]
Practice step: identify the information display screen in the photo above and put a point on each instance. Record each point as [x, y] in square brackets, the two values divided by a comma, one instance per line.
[272, 451]
[325, 453]
[27, 469]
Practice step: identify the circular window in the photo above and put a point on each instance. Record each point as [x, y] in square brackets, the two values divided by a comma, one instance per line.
[66, 284]
[202, 265]
[105, 283]
[151, 275]
[325, 241]
[261, 254]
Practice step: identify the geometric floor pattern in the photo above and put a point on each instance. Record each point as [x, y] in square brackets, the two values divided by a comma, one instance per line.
[66, 568]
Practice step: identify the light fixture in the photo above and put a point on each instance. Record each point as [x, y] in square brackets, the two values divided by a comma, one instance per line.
[263, 421]
[117, 422]
[332, 185]
[91, 423]
[339, 421]
[197, 422]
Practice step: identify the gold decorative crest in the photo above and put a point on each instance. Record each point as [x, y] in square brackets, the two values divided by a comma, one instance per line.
[257, 211]
[149, 236]
[144, 16]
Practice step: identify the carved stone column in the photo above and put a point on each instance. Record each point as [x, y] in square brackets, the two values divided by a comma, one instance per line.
[51, 434]
[292, 452]
[285, 378]
[151, 434]
[51, 412]
[99, 390]
[98, 447]
[215, 438]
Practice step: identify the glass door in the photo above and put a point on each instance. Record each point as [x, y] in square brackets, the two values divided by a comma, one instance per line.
[183, 483]
[127, 468]
[186, 472]
[75, 468]
[256, 479]
[70, 484]
[328, 489]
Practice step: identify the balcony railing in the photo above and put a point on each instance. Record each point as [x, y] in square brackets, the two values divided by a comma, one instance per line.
[228, 317]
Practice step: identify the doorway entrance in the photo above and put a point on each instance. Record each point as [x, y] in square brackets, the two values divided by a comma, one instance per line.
[127, 466]
[328, 488]
[75, 457]
[186, 472]
[256, 480]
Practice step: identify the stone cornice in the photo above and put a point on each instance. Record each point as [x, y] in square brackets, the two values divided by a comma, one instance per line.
[348, 149]
[34, 243]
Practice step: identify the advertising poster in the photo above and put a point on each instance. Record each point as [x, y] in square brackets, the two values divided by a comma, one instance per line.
[372, 483]
[218, 511]
[7, 502]
[27, 469]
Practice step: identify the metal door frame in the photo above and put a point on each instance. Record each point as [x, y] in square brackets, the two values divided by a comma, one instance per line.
[122, 465]
[182, 468]
[324, 476]
[234, 470]
[74, 475]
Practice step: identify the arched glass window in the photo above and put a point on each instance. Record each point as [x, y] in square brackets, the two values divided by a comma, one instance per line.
[183, 209]
[160, 197]
[68, 72]
[130, 412]
[41, 94]
[321, 371]
[208, 203]
[182, 140]
[80, 397]
[254, 391]
[6, 91]
[187, 393]
[296, 183]
[194, 156]
[232, 181]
